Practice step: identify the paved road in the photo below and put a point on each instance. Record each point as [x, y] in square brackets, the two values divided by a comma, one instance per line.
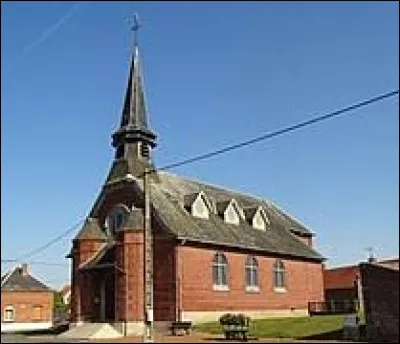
[194, 338]
[21, 338]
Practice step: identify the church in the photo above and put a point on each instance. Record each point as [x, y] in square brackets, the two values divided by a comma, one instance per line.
[213, 250]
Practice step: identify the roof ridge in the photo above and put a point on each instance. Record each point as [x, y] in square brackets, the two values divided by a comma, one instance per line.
[189, 179]
[277, 239]
[347, 266]
[37, 280]
[7, 275]
[386, 260]
[266, 201]
[26, 279]
[289, 215]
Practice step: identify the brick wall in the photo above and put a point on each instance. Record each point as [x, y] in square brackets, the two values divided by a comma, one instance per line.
[183, 276]
[29, 306]
[304, 283]
[341, 283]
[164, 278]
[82, 288]
[380, 287]
[129, 284]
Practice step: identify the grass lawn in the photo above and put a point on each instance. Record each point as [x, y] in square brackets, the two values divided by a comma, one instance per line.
[297, 327]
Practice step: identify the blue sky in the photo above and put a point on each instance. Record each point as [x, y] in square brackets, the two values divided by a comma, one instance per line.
[215, 74]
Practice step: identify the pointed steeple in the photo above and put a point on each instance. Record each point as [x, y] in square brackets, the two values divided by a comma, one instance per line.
[133, 140]
[134, 122]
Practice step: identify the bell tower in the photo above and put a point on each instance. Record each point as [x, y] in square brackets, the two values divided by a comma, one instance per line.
[134, 140]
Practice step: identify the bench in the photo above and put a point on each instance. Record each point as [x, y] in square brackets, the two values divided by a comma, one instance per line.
[179, 328]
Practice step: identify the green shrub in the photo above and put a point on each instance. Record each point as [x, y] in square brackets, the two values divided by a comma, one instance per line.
[234, 319]
[226, 319]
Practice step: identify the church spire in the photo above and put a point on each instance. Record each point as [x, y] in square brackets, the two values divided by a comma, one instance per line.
[134, 139]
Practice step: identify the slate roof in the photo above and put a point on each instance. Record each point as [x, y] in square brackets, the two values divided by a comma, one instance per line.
[249, 212]
[168, 198]
[17, 281]
[91, 230]
[221, 206]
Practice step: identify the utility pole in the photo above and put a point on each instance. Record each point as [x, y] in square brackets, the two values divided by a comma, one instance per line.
[148, 336]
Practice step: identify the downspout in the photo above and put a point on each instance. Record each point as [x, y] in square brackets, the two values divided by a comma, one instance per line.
[124, 274]
[126, 305]
[177, 283]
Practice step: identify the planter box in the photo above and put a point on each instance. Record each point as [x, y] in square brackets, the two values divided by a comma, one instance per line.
[235, 331]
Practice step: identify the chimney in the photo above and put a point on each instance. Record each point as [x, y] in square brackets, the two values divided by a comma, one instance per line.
[24, 269]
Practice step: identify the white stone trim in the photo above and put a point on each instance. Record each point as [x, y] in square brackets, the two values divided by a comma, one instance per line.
[28, 326]
[5, 315]
[232, 214]
[252, 289]
[199, 207]
[197, 317]
[280, 289]
[217, 287]
[260, 212]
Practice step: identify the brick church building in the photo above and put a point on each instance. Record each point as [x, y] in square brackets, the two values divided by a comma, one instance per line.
[214, 250]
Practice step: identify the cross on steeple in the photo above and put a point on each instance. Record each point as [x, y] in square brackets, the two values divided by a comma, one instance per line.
[134, 139]
[135, 28]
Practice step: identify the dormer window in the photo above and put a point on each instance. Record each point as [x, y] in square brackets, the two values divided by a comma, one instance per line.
[229, 211]
[256, 217]
[116, 218]
[198, 205]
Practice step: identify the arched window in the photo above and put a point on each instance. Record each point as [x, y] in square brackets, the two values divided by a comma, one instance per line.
[116, 218]
[251, 271]
[279, 274]
[9, 313]
[220, 270]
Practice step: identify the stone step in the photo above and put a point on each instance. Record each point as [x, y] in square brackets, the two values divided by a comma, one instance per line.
[91, 331]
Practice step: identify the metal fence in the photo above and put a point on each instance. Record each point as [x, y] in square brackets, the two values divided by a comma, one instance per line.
[333, 307]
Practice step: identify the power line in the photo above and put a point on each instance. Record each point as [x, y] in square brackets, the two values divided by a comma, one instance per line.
[51, 242]
[278, 132]
[241, 145]
[33, 262]
[52, 30]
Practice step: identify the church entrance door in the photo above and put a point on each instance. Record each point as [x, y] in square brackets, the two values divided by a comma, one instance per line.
[105, 291]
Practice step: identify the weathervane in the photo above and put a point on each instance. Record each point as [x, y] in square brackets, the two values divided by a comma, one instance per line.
[370, 250]
[135, 28]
